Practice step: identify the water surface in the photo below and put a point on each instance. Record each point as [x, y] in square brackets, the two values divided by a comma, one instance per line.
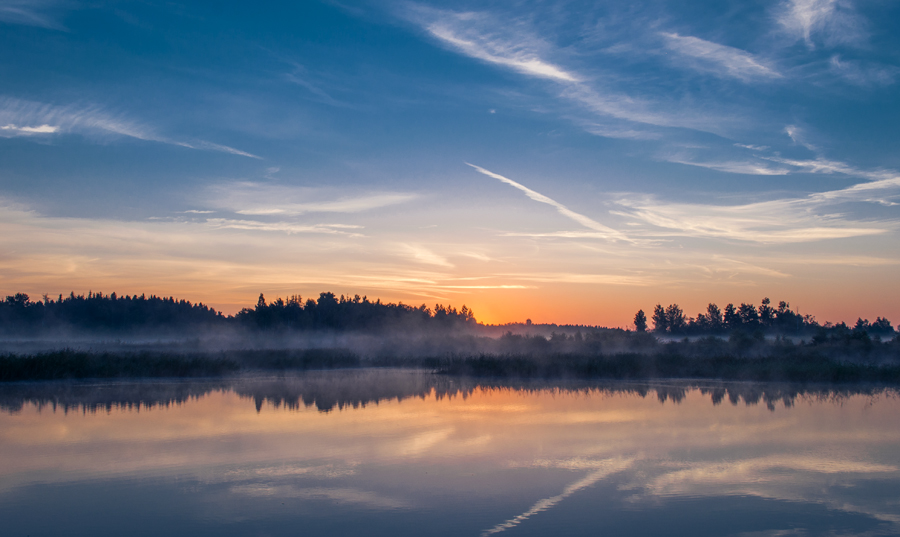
[409, 453]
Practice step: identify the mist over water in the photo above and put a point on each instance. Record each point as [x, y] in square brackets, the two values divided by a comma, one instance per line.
[110, 336]
[400, 452]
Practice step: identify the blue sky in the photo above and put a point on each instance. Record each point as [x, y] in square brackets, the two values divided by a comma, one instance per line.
[566, 161]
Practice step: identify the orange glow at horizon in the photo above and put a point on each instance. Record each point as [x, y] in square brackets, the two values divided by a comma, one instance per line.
[609, 306]
[504, 279]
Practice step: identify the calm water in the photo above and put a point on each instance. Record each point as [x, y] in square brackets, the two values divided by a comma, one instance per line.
[407, 453]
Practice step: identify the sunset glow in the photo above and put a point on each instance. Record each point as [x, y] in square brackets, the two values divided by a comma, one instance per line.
[567, 164]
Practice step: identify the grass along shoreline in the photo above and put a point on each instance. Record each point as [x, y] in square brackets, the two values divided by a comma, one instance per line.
[779, 365]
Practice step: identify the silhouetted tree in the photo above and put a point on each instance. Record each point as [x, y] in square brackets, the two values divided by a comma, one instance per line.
[731, 317]
[700, 324]
[115, 313]
[766, 313]
[20, 300]
[786, 320]
[675, 318]
[660, 321]
[97, 312]
[640, 321]
[351, 313]
[881, 327]
[749, 315]
[713, 317]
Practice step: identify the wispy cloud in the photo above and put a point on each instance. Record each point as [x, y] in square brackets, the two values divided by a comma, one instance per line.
[28, 118]
[313, 89]
[874, 192]
[613, 98]
[283, 227]
[825, 165]
[773, 222]
[834, 21]
[623, 107]
[210, 146]
[421, 254]
[746, 167]
[512, 45]
[339, 495]
[301, 77]
[260, 199]
[628, 131]
[860, 74]
[30, 13]
[809, 218]
[877, 190]
[15, 130]
[847, 260]
[752, 147]
[719, 59]
[797, 135]
[474, 35]
[560, 234]
[569, 277]
[697, 478]
[589, 223]
[328, 471]
[780, 221]
[485, 287]
[735, 266]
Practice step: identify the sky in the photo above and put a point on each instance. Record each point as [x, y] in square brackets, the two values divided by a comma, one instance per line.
[562, 161]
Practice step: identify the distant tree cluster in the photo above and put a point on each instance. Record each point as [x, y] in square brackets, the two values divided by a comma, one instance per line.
[749, 318]
[346, 313]
[111, 313]
[97, 311]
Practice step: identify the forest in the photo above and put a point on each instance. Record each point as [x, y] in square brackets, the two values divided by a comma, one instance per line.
[99, 313]
[748, 318]
[111, 336]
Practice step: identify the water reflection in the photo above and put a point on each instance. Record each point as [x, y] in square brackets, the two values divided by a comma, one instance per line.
[404, 452]
[335, 390]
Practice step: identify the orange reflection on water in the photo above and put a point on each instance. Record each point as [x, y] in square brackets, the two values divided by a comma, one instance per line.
[505, 426]
[413, 442]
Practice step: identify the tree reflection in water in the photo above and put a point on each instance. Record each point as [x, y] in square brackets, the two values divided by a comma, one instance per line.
[391, 452]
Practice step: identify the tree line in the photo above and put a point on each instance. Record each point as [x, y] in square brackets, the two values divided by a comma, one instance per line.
[113, 313]
[350, 313]
[97, 311]
[750, 318]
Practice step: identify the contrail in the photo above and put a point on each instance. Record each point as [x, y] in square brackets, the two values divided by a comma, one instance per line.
[608, 232]
[608, 468]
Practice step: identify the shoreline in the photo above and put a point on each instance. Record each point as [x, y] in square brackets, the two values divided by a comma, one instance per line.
[791, 367]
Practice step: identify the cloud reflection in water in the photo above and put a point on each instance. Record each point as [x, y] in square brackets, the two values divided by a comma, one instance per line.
[428, 448]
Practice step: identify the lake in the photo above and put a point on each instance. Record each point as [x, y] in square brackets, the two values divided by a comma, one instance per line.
[400, 452]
